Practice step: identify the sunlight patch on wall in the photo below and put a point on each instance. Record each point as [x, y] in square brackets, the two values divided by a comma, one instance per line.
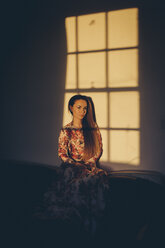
[71, 72]
[123, 28]
[124, 147]
[91, 32]
[124, 109]
[123, 68]
[102, 60]
[92, 70]
[70, 24]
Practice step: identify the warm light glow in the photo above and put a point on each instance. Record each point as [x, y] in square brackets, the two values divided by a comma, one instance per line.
[124, 109]
[123, 68]
[70, 24]
[124, 147]
[123, 28]
[106, 73]
[71, 72]
[91, 32]
[92, 70]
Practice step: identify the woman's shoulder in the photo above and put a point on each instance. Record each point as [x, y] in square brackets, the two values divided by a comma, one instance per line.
[67, 127]
[66, 131]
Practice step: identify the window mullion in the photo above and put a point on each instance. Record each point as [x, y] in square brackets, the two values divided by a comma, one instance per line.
[107, 76]
[77, 71]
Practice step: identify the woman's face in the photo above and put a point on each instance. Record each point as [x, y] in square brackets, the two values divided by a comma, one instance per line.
[79, 109]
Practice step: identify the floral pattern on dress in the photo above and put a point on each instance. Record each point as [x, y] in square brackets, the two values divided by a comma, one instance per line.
[71, 145]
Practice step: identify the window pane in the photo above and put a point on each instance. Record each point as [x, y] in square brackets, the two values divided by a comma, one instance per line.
[101, 105]
[91, 70]
[91, 32]
[71, 72]
[123, 68]
[124, 147]
[70, 24]
[124, 109]
[67, 116]
[104, 135]
[123, 28]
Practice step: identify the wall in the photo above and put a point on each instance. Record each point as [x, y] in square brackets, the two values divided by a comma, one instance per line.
[32, 68]
[33, 77]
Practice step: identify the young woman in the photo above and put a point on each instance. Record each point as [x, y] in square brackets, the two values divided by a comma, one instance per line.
[80, 141]
[80, 191]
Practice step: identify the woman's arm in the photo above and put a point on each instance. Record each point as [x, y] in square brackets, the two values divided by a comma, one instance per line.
[63, 146]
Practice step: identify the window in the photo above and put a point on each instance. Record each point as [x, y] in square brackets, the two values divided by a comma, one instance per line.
[102, 62]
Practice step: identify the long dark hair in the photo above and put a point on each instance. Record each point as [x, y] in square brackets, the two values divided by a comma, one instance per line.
[89, 126]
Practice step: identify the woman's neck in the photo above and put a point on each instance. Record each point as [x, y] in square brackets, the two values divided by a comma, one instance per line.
[77, 123]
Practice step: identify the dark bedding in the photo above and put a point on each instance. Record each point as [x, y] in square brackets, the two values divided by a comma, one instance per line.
[78, 195]
[44, 206]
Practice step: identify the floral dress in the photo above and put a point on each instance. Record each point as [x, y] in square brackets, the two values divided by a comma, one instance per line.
[80, 191]
[71, 146]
